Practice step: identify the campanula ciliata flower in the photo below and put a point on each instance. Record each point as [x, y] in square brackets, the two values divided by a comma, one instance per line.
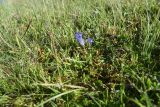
[79, 38]
[90, 40]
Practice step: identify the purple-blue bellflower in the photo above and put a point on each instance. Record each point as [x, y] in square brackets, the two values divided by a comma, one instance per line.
[79, 38]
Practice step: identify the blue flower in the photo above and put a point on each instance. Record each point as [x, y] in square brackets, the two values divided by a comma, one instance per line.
[79, 38]
[90, 40]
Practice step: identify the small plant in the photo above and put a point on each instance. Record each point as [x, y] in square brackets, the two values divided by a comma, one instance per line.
[113, 61]
[80, 39]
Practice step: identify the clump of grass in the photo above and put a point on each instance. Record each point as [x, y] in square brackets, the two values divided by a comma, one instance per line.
[42, 64]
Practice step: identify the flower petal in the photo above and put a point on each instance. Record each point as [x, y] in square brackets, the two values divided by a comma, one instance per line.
[90, 40]
[81, 41]
[79, 38]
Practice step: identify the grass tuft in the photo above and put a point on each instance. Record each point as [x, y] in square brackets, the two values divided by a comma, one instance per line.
[42, 64]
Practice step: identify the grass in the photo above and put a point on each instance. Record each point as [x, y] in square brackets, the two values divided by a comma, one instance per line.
[41, 63]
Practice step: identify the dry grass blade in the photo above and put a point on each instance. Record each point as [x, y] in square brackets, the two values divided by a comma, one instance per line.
[61, 85]
[54, 97]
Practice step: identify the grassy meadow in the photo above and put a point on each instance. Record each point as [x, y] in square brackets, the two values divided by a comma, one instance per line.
[43, 65]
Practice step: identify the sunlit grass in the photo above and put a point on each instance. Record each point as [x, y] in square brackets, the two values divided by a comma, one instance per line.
[42, 63]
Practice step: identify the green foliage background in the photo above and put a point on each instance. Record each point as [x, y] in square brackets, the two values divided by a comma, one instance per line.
[41, 63]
